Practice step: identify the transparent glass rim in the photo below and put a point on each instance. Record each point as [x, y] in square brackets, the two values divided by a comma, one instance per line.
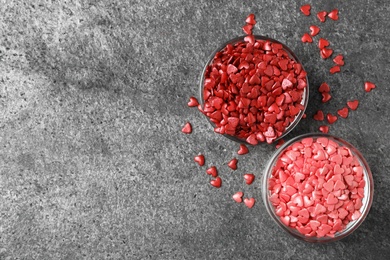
[305, 98]
[368, 190]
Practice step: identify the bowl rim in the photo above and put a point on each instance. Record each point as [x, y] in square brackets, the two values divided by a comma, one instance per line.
[369, 190]
[305, 98]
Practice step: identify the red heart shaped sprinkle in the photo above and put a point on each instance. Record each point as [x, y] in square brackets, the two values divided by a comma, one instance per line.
[305, 9]
[331, 118]
[252, 139]
[325, 97]
[322, 16]
[233, 164]
[343, 112]
[334, 69]
[249, 202]
[249, 178]
[314, 30]
[199, 159]
[319, 116]
[250, 38]
[326, 53]
[324, 88]
[368, 86]
[217, 182]
[324, 129]
[212, 171]
[339, 60]
[187, 128]
[193, 102]
[334, 15]
[322, 43]
[251, 19]
[306, 38]
[353, 104]
[243, 149]
[238, 196]
[247, 29]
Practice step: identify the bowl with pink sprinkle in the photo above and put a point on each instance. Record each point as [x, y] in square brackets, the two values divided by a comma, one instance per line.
[318, 188]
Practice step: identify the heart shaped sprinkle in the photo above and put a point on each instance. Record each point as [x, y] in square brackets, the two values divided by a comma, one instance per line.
[250, 38]
[238, 196]
[249, 178]
[199, 159]
[212, 171]
[305, 9]
[331, 118]
[335, 69]
[322, 16]
[306, 38]
[314, 30]
[193, 102]
[353, 104]
[217, 182]
[334, 14]
[233, 164]
[331, 199]
[247, 29]
[324, 88]
[243, 149]
[322, 43]
[319, 116]
[251, 19]
[326, 53]
[252, 139]
[343, 112]
[187, 128]
[339, 60]
[324, 129]
[249, 202]
[325, 97]
[368, 86]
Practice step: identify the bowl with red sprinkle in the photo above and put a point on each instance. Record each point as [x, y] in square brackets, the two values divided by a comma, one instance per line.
[253, 89]
[318, 188]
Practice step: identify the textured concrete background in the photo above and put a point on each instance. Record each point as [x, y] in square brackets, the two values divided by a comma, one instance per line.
[93, 96]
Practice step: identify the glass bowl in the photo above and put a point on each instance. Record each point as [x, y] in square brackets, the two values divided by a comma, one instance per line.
[291, 56]
[275, 210]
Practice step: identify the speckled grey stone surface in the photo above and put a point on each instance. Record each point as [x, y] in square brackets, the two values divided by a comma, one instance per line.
[93, 96]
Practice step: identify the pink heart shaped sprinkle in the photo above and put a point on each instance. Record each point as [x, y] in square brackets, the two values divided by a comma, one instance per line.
[238, 196]
[187, 128]
[249, 202]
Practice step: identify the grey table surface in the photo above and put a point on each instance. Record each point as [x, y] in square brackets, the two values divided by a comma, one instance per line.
[93, 95]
